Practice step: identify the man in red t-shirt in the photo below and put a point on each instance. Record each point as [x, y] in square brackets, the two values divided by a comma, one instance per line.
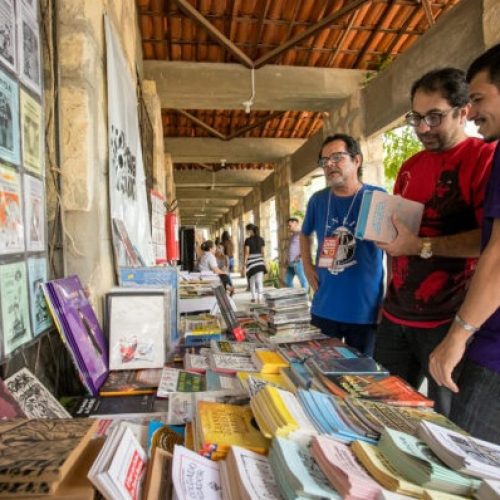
[429, 273]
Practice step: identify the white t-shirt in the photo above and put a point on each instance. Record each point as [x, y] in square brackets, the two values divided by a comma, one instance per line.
[208, 262]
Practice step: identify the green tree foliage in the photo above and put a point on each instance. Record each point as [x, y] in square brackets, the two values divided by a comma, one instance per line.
[399, 144]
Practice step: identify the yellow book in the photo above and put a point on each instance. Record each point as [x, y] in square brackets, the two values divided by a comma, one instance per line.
[275, 421]
[274, 399]
[383, 471]
[224, 425]
[269, 361]
[272, 378]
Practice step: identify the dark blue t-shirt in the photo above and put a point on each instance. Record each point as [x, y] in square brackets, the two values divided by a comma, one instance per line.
[354, 294]
[485, 348]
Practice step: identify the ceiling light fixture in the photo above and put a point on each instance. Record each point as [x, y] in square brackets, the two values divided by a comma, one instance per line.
[248, 104]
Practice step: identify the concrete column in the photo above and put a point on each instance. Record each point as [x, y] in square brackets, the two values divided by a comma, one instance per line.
[491, 22]
[265, 228]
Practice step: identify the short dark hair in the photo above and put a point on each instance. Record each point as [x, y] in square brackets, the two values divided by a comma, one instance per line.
[488, 61]
[253, 228]
[293, 219]
[207, 245]
[449, 82]
[351, 145]
[225, 236]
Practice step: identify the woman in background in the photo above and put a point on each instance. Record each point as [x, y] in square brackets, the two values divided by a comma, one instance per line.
[254, 262]
[208, 263]
[227, 243]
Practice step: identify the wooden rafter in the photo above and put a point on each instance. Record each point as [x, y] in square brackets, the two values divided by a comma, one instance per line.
[373, 34]
[258, 123]
[428, 11]
[342, 40]
[402, 31]
[324, 23]
[169, 30]
[215, 33]
[260, 27]
[326, 8]
[316, 118]
[228, 24]
[293, 20]
[202, 124]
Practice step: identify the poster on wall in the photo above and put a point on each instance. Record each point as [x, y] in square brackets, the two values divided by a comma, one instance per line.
[127, 185]
[15, 316]
[31, 128]
[31, 7]
[34, 213]
[29, 48]
[11, 214]
[158, 225]
[40, 314]
[9, 119]
[8, 47]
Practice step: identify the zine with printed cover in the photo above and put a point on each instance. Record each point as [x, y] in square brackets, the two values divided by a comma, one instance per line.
[29, 46]
[15, 310]
[34, 209]
[40, 314]
[31, 133]
[9, 119]
[8, 39]
[11, 213]
[33, 397]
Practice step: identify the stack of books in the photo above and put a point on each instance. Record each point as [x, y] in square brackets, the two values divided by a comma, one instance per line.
[268, 361]
[200, 329]
[340, 466]
[217, 426]
[247, 475]
[279, 413]
[296, 472]
[416, 462]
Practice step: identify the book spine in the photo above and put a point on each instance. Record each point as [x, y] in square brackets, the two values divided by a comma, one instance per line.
[363, 214]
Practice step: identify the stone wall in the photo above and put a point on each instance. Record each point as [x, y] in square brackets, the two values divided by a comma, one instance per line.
[83, 140]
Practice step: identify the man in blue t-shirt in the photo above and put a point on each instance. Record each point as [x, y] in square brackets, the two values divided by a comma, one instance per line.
[348, 276]
[475, 330]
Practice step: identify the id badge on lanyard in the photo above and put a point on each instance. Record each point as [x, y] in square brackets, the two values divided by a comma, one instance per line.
[328, 252]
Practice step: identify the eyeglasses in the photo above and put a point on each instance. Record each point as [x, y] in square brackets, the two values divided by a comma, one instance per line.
[432, 119]
[333, 158]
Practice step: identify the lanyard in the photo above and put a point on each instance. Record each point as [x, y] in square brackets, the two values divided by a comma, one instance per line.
[344, 221]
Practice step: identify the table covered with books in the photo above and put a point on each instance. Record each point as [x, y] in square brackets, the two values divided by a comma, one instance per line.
[285, 413]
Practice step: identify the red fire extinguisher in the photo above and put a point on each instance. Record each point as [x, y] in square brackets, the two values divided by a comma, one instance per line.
[171, 233]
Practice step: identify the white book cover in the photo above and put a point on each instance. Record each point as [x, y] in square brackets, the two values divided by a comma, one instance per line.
[195, 477]
[255, 474]
[231, 363]
[119, 470]
[137, 331]
[376, 212]
[175, 380]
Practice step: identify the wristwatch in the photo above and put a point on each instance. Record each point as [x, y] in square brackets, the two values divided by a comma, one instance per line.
[426, 250]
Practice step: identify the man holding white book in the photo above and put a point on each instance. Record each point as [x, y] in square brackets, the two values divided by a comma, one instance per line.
[347, 279]
[430, 272]
[475, 331]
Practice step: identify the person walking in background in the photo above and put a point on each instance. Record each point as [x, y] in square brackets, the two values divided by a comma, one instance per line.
[432, 270]
[254, 262]
[347, 279]
[294, 265]
[227, 243]
[208, 263]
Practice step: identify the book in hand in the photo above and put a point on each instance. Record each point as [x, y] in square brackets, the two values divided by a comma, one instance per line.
[176, 380]
[194, 476]
[376, 213]
[79, 329]
[462, 453]
[120, 467]
[35, 400]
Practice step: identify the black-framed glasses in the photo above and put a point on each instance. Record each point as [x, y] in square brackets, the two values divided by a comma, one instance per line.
[324, 161]
[432, 119]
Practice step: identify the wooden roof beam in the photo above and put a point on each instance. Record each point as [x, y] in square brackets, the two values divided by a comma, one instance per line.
[258, 123]
[428, 12]
[373, 34]
[202, 124]
[324, 23]
[214, 32]
[342, 40]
